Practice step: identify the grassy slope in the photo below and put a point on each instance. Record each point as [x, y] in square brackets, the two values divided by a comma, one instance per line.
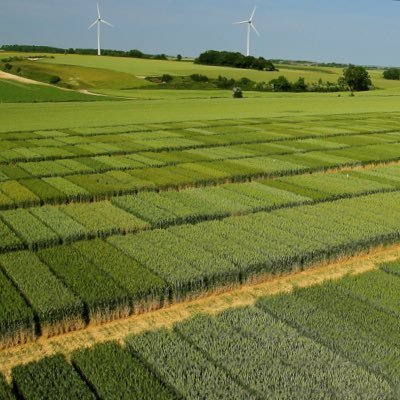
[76, 77]
[15, 92]
[110, 74]
[140, 67]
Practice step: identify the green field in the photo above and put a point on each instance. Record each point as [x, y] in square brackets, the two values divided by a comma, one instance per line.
[112, 207]
[16, 92]
[336, 340]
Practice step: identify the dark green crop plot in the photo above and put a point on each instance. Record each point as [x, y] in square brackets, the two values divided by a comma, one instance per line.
[5, 390]
[8, 239]
[44, 191]
[104, 299]
[16, 319]
[50, 378]
[115, 374]
[145, 288]
[58, 309]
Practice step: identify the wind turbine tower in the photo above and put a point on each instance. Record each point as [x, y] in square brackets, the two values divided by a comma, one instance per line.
[99, 21]
[250, 26]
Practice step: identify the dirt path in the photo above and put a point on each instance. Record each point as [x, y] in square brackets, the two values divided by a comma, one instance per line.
[11, 77]
[212, 304]
[20, 79]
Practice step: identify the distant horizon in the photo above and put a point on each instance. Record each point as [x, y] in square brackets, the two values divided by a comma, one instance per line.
[361, 32]
[185, 57]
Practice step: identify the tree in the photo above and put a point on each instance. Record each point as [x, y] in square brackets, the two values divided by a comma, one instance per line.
[280, 84]
[167, 78]
[356, 78]
[392, 73]
[179, 57]
[300, 85]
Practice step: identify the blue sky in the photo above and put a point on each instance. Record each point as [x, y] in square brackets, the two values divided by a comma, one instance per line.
[357, 31]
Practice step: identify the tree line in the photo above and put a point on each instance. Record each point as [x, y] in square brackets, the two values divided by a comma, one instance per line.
[56, 50]
[236, 60]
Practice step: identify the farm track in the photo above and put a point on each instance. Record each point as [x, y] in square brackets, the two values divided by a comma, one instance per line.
[11, 77]
[212, 303]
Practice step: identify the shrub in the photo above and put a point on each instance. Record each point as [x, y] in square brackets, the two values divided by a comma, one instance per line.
[199, 78]
[166, 78]
[237, 93]
[54, 79]
[392, 73]
[280, 84]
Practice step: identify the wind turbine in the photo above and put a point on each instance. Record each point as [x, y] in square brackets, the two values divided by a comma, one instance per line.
[250, 26]
[99, 21]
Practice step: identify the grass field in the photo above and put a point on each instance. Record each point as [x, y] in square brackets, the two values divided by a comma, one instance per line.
[16, 92]
[110, 209]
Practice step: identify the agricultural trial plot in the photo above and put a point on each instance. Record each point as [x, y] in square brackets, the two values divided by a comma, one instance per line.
[118, 205]
[339, 339]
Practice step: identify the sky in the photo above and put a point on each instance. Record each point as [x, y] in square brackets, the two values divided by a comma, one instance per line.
[363, 32]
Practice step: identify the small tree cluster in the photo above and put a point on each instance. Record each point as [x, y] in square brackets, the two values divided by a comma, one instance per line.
[237, 60]
[356, 78]
[392, 74]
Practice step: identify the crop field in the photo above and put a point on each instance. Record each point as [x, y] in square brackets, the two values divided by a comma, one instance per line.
[339, 339]
[111, 208]
[119, 220]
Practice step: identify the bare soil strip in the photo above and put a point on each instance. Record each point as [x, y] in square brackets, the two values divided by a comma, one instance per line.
[212, 304]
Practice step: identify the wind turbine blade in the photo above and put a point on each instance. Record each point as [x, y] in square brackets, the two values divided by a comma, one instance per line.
[98, 11]
[255, 30]
[244, 22]
[94, 23]
[107, 23]
[252, 15]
